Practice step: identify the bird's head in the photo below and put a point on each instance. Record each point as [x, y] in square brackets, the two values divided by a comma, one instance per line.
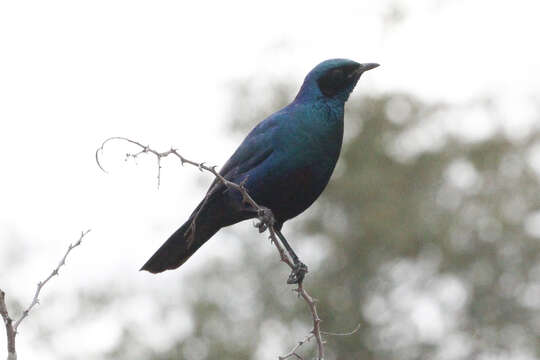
[333, 79]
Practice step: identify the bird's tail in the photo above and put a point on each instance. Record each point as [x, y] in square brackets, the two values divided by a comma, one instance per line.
[179, 247]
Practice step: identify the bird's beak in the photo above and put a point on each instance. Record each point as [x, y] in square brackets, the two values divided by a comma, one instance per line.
[365, 67]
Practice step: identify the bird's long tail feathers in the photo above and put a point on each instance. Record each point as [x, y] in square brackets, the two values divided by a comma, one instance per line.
[179, 247]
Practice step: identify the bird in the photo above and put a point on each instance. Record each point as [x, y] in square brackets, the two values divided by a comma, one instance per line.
[284, 164]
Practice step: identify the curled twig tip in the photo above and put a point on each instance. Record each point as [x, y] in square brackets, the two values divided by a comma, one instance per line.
[100, 149]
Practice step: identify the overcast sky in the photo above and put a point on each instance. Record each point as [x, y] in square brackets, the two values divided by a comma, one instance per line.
[73, 73]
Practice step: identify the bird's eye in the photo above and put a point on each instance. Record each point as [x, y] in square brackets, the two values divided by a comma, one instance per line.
[337, 74]
[331, 82]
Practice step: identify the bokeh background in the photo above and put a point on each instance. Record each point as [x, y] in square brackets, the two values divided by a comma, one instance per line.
[428, 235]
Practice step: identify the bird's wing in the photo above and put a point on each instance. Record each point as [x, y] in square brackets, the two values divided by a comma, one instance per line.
[256, 147]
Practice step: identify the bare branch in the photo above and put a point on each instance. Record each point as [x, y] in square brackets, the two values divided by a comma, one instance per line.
[11, 327]
[200, 165]
[264, 215]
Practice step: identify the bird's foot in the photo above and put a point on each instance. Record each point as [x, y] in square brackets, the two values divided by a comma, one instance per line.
[266, 217]
[297, 274]
[261, 226]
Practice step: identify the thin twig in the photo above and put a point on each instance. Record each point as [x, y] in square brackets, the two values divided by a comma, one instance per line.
[264, 215]
[40, 284]
[296, 347]
[352, 332]
[11, 326]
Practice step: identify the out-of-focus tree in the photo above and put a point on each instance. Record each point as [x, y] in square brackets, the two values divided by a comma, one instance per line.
[427, 239]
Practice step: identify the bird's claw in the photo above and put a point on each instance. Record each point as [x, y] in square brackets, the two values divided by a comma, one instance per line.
[265, 214]
[261, 226]
[297, 274]
[266, 218]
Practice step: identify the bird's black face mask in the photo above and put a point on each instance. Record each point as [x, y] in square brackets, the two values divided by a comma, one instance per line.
[338, 79]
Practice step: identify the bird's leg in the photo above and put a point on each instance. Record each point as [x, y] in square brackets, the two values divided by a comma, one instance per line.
[266, 218]
[299, 269]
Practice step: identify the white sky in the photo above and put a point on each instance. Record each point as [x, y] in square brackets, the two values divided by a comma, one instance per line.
[73, 73]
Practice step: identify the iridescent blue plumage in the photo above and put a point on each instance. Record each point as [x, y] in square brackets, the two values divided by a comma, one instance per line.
[285, 162]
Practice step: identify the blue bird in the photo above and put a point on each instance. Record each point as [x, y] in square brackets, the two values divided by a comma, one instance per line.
[285, 163]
